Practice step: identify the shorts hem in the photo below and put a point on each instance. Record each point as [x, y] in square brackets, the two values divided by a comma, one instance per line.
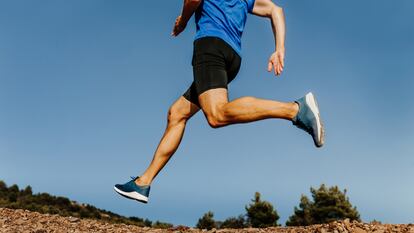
[210, 88]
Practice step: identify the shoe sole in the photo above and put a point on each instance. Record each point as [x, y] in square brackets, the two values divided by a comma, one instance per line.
[132, 195]
[313, 105]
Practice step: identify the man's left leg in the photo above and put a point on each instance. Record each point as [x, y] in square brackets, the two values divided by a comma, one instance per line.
[178, 115]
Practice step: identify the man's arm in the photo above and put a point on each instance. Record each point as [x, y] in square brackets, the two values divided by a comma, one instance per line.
[266, 8]
[189, 7]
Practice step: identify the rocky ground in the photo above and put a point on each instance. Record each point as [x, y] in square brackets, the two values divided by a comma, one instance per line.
[23, 221]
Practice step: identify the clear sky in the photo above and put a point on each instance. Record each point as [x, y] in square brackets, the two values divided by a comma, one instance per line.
[85, 87]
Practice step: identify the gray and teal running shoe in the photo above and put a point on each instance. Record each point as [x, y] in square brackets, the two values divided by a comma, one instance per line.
[309, 119]
[133, 191]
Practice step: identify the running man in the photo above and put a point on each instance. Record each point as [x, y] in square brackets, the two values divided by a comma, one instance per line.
[216, 62]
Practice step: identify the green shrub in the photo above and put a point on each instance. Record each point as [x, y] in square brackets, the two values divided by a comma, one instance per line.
[261, 213]
[329, 204]
[234, 222]
[162, 225]
[207, 221]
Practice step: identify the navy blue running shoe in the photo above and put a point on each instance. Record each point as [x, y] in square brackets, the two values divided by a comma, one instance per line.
[309, 119]
[133, 191]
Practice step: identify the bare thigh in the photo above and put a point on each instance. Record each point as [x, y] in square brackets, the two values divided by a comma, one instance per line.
[212, 100]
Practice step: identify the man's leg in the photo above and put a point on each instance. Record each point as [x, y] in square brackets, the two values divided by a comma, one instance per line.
[178, 115]
[219, 112]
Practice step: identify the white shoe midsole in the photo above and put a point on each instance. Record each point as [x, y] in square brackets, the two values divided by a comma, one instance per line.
[133, 195]
[310, 100]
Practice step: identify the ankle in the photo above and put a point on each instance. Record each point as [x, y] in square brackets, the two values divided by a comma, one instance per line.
[142, 181]
[294, 110]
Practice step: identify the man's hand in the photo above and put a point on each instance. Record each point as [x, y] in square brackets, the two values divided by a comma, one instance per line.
[179, 26]
[189, 7]
[277, 62]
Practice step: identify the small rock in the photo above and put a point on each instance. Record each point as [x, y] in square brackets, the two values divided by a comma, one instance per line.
[249, 229]
[359, 230]
[346, 221]
[40, 231]
[323, 230]
[43, 221]
[73, 219]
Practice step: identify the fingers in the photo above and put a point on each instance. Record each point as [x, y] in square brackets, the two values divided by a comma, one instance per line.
[176, 30]
[281, 62]
[275, 64]
[276, 67]
[279, 68]
[173, 33]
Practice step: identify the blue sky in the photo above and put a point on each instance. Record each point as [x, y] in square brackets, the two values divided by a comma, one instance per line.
[85, 87]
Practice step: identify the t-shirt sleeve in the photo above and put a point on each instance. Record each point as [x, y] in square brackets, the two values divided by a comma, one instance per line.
[250, 4]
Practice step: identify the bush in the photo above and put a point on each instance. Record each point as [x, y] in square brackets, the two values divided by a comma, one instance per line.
[234, 222]
[329, 204]
[207, 221]
[27, 191]
[3, 186]
[14, 189]
[261, 213]
[162, 225]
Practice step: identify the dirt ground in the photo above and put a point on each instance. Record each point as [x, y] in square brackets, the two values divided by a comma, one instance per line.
[23, 221]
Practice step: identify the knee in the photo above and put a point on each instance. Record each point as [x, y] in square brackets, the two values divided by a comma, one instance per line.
[216, 119]
[176, 115]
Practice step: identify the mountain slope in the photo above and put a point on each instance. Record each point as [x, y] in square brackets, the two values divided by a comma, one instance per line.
[14, 198]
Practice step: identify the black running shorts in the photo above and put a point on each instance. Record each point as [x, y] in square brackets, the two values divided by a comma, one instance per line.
[215, 64]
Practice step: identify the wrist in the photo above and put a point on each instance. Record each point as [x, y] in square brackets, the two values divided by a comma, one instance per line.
[183, 22]
[280, 48]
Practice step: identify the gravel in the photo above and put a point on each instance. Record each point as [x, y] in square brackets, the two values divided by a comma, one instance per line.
[24, 221]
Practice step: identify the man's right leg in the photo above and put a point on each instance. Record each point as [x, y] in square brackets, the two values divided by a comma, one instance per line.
[304, 112]
[220, 112]
[178, 115]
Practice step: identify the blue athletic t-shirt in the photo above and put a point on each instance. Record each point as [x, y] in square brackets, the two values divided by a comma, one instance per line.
[224, 19]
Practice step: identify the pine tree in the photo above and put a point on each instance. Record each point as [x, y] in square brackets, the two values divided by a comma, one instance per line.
[207, 221]
[261, 213]
[329, 204]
